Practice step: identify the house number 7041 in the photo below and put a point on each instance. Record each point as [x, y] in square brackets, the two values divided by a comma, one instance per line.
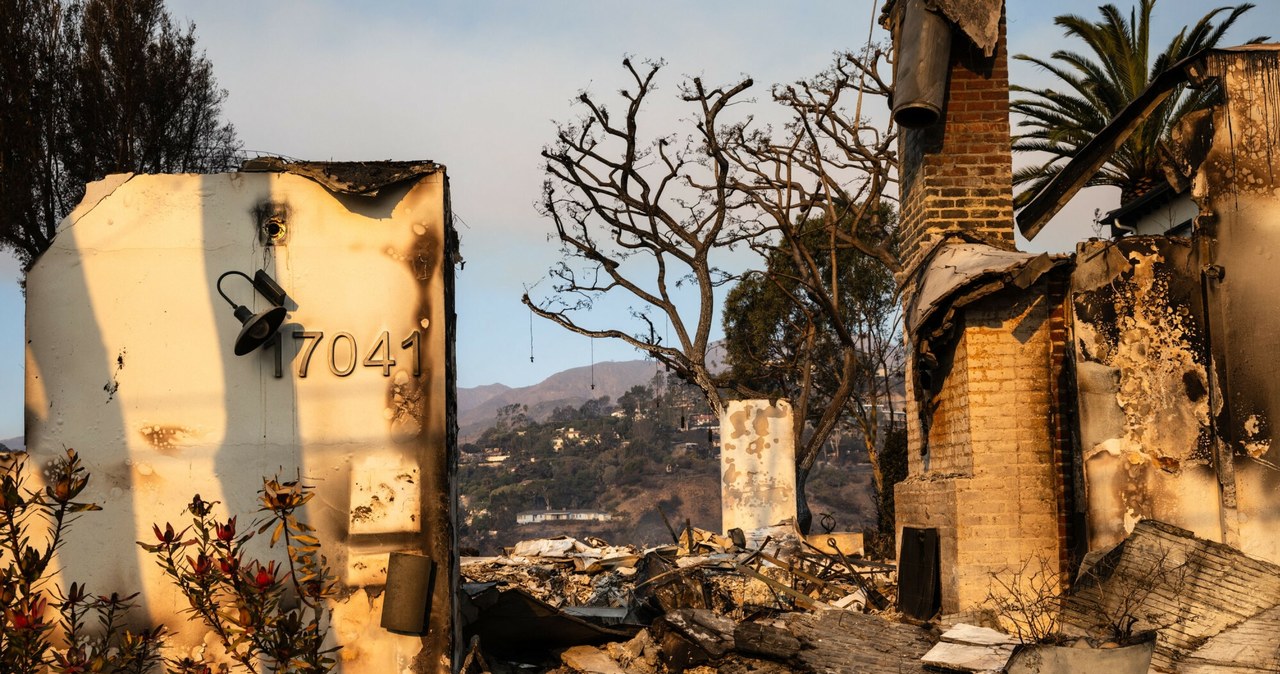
[342, 352]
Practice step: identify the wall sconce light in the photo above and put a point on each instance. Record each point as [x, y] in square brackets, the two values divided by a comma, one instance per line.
[261, 327]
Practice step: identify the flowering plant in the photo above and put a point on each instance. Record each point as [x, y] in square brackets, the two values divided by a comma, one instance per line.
[269, 617]
[30, 607]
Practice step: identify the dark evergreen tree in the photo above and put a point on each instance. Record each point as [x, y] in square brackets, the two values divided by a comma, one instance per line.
[94, 87]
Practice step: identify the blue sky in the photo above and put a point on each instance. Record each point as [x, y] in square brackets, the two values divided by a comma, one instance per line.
[476, 85]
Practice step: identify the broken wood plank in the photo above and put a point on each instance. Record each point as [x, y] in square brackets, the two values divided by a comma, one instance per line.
[804, 599]
[846, 641]
[764, 639]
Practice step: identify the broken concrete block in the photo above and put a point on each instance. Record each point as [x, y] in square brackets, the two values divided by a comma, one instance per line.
[967, 657]
[969, 648]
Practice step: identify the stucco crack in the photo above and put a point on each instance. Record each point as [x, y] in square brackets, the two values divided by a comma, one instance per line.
[94, 193]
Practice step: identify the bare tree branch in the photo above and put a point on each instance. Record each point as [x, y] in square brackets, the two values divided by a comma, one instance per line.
[638, 217]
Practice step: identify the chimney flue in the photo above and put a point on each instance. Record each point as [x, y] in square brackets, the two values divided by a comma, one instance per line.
[921, 67]
[956, 173]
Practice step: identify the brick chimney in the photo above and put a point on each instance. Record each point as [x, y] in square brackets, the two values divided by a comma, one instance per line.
[982, 440]
[957, 173]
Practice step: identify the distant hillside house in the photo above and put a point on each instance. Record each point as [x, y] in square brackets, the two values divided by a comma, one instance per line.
[536, 516]
[488, 458]
[703, 421]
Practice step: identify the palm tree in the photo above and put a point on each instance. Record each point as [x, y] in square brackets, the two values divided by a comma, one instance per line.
[1063, 119]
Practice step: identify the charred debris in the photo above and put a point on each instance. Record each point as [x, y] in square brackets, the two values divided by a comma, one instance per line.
[706, 602]
[711, 603]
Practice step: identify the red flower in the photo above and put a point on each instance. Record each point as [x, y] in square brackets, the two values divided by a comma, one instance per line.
[201, 564]
[166, 536]
[229, 565]
[264, 577]
[226, 531]
[28, 615]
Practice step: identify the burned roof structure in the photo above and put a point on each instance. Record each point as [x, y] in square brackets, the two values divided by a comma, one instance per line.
[364, 178]
[1058, 401]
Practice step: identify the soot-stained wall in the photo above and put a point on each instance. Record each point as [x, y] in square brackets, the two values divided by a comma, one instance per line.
[129, 361]
[1142, 380]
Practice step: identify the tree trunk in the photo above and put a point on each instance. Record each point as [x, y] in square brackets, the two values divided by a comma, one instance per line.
[804, 518]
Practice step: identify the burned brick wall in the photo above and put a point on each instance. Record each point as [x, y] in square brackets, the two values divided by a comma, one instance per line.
[957, 173]
[980, 330]
[989, 482]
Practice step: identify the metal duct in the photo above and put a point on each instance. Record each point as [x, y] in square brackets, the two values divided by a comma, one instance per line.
[922, 66]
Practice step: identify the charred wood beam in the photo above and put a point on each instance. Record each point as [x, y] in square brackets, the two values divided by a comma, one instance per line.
[1077, 173]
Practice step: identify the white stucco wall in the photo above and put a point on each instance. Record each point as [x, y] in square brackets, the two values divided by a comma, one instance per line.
[757, 465]
[129, 361]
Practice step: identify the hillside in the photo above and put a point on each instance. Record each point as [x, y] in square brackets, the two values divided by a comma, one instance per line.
[479, 405]
[632, 462]
[16, 444]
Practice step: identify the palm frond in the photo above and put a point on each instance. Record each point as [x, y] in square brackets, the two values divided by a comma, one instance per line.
[1096, 83]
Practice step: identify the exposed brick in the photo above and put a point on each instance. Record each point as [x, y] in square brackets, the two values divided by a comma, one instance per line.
[993, 428]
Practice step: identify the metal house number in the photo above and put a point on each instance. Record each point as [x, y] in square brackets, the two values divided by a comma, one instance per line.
[343, 352]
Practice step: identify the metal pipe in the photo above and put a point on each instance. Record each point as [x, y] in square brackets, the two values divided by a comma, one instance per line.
[921, 67]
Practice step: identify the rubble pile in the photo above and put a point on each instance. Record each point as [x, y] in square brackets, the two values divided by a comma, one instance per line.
[704, 603]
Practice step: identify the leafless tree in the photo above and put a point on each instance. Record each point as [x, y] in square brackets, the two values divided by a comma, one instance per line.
[653, 219]
[630, 211]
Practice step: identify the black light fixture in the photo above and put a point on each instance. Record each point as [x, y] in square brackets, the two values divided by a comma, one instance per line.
[258, 328]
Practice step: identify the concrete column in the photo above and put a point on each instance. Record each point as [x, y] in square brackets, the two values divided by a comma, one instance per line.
[757, 464]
